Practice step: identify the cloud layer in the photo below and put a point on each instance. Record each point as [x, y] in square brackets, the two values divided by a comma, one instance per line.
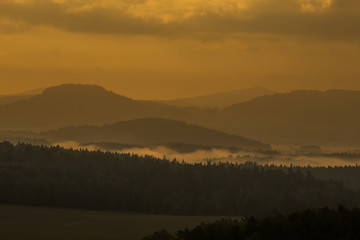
[179, 48]
[316, 18]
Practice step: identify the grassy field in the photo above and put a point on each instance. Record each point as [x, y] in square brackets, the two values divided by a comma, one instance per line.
[37, 223]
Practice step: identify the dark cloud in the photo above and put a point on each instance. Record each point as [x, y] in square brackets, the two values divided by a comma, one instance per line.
[99, 20]
[340, 21]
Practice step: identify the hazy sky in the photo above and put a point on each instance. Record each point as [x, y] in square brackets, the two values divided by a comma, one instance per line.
[175, 48]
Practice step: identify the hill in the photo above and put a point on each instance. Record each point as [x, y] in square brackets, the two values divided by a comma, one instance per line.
[302, 117]
[72, 104]
[152, 131]
[221, 100]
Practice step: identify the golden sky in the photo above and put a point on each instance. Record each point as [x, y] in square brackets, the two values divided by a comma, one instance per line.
[176, 48]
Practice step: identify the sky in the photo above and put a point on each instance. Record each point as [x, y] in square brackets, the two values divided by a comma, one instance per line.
[163, 49]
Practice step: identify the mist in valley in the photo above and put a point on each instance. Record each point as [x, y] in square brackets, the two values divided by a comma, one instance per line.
[281, 156]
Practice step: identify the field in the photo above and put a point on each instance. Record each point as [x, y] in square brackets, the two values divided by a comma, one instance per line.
[38, 223]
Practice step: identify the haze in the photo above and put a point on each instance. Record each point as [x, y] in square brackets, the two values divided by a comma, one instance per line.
[167, 49]
[119, 118]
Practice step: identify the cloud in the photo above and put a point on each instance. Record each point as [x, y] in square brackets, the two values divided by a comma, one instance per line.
[8, 27]
[61, 16]
[314, 5]
[311, 18]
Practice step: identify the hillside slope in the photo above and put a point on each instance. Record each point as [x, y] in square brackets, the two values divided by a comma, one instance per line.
[221, 100]
[302, 116]
[152, 131]
[72, 104]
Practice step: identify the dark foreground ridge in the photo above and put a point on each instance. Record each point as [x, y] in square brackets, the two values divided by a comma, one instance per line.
[53, 176]
[323, 223]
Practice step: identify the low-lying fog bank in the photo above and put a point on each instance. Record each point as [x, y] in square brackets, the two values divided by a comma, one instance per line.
[291, 156]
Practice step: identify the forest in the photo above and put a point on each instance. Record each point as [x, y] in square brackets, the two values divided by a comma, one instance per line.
[323, 223]
[58, 177]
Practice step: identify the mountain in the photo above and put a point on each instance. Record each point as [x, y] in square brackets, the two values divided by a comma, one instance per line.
[221, 100]
[72, 104]
[301, 117]
[152, 131]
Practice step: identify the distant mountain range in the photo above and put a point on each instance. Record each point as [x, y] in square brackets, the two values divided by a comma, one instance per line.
[298, 117]
[221, 100]
[72, 104]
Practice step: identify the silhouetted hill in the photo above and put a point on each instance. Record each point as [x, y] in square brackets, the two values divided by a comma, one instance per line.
[72, 104]
[310, 117]
[152, 131]
[221, 100]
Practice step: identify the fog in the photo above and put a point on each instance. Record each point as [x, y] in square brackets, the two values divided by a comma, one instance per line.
[285, 158]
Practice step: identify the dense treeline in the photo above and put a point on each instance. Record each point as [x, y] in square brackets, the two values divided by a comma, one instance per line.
[323, 223]
[53, 176]
[348, 175]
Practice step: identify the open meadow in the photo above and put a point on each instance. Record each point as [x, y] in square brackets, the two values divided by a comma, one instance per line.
[40, 223]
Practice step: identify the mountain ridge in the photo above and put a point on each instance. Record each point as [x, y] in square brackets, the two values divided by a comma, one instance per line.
[151, 131]
[300, 117]
[74, 104]
[311, 116]
[221, 99]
